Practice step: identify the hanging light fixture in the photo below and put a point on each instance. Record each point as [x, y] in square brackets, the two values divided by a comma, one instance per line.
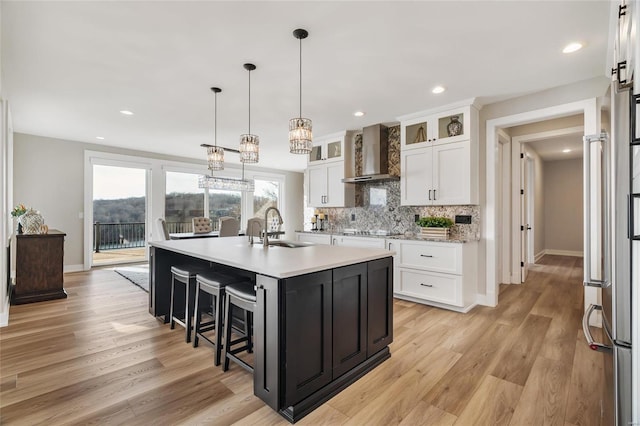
[215, 161]
[215, 154]
[300, 135]
[249, 143]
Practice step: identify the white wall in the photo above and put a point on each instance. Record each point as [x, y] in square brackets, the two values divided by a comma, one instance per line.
[564, 205]
[49, 176]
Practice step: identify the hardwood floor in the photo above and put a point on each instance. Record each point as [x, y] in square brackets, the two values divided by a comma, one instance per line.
[98, 357]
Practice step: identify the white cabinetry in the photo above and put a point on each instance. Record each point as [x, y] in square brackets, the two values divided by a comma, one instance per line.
[366, 242]
[331, 148]
[437, 175]
[325, 173]
[313, 238]
[438, 169]
[434, 273]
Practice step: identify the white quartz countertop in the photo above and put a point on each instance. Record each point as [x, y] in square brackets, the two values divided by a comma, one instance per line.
[277, 262]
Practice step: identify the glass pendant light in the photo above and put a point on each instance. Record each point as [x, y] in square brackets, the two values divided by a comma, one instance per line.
[215, 154]
[300, 135]
[215, 161]
[249, 143]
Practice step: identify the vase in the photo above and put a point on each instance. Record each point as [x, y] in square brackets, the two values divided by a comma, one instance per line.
[31, 222]
[454, 128]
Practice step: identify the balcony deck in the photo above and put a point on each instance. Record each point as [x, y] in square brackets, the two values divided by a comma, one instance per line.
[124, 255]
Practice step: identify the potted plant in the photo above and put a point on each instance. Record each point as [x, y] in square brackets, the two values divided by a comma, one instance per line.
[435, 226]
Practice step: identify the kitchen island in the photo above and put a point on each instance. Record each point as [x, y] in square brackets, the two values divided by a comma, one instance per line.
[323, 316]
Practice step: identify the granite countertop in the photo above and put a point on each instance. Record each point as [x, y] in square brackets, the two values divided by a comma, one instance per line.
[411, 237]
[274, 261]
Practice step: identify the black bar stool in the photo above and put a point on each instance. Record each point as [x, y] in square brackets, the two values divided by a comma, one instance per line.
[211, 284]
[242, 295]
[184, 274]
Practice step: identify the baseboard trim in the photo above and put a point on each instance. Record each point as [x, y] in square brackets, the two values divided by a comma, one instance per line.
[538, 256]
[564, 252]
[485, 300]
[73, 268]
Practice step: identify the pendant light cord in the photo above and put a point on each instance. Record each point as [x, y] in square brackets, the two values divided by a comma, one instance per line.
[300, 78]
[249, 102]
[215, 120]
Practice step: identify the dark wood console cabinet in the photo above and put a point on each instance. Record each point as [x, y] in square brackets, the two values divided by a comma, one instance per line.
[39, 267]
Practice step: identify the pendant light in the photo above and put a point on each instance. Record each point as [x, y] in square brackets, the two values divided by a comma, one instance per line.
[215, 154]
[215, 161]
[249, 143]
[300, 135]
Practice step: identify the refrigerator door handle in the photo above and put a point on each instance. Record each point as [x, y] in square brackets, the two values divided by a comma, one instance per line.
[600, 347]
[597, 268]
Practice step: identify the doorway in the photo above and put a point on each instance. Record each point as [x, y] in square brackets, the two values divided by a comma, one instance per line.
[117, 200]
[591, 110]
[119, 215]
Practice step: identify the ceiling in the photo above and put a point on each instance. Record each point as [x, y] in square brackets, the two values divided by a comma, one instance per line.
[550, 149]
[68, 68]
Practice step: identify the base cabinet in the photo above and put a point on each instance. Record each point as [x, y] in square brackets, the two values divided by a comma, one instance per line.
[326, 330]
[435, 273]
[308, 333]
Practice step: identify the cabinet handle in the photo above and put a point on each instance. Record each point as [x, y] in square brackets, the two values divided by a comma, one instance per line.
[426, 255]
[434, 194]
[426, 285]
[429, 194]
[259, 287]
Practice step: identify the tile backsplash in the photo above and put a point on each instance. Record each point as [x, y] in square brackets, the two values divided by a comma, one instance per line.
[378, 204]
[391, 216]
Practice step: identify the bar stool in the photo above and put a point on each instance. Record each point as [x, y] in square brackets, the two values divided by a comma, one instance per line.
[242, 295]
[185, 274]
[212, 284]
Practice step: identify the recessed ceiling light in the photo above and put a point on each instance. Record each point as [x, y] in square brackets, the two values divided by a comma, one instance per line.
[100, 137]
[358, 113]
[566, 150]
[125, 112]
[572, 47]
[437, 89]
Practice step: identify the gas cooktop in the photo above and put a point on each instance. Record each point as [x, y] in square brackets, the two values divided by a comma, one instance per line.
[377, 232]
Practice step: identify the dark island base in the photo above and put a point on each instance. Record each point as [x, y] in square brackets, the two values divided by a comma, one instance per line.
[36, 297]
[307, 405]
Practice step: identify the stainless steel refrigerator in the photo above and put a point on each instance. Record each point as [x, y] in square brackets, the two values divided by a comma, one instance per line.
[612, 245]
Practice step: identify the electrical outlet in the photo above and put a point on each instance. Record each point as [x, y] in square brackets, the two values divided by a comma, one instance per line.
[353, 217]
[462, 218]
[416, 217]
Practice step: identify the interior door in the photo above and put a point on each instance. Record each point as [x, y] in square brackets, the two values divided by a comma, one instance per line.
[524, 216]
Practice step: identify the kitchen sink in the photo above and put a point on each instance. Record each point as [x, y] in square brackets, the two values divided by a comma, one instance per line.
[289, 244]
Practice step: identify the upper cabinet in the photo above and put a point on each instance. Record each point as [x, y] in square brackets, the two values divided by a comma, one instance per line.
[332, 161]
[426, 129]
[439, 156]
[331, 148]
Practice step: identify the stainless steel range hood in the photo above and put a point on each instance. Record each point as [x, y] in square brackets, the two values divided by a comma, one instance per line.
[375, 156]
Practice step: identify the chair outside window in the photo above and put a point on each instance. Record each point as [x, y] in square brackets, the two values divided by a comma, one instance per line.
[255, 226]
[201, 225]
[228, 226]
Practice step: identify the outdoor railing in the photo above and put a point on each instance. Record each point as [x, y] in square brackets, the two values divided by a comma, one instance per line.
[111, 236]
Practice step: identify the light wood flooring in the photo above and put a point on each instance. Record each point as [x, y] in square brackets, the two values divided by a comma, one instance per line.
[98, 357]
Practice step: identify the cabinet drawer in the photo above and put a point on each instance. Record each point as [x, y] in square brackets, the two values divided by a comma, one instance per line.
[438, 257]
[359, 242]
[431, 286]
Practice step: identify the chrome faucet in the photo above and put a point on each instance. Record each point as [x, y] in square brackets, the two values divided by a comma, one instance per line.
[265, 240]
[250, 231]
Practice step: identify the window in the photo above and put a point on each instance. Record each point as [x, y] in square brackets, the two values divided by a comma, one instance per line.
[224, 203]
[265, 195]
[183, 201]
